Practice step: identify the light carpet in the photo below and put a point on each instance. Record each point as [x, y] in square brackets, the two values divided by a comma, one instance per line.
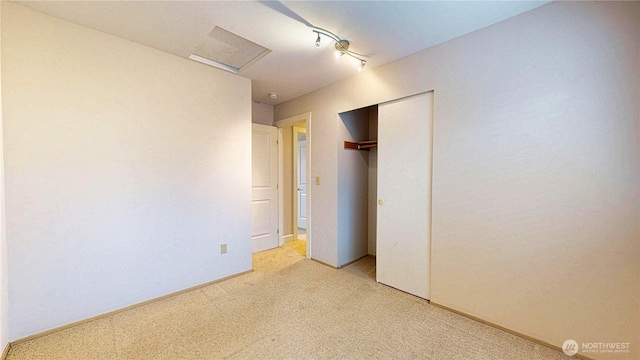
[287, 308]
[300, 246]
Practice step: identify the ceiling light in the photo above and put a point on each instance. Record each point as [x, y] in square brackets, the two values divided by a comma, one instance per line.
[273, 95]
[341, 46]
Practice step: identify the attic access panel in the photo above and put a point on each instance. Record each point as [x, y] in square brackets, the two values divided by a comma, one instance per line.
[228, 51]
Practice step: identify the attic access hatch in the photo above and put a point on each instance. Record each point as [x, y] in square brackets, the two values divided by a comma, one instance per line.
[228, 51]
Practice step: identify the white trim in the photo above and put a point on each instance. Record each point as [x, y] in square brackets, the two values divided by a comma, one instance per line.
[296, 130]
[210, 62]
[294, 183]
[293, 120]
[309, 188]
[5, 352]
[280, 191]
[287, 238]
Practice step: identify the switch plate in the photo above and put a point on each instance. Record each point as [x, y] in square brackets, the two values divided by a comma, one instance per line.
[317, 180]
[223, 248]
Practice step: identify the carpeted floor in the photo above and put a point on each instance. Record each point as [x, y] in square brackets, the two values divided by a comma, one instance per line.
[288, 308]
[300, 246]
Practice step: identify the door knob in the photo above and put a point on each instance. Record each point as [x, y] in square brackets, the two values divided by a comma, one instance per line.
[381, 202]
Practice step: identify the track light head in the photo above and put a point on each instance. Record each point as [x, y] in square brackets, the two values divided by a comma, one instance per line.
[318, 40]
[362, 64]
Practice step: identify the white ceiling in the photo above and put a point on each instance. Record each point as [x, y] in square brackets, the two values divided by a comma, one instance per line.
[381, 30]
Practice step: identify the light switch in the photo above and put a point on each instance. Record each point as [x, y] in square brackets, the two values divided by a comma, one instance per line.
[317, 180]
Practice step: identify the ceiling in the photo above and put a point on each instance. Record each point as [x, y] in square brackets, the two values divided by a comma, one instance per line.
[381, 30]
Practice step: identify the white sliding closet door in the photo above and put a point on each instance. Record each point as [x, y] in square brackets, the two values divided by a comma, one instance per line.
[403, 253]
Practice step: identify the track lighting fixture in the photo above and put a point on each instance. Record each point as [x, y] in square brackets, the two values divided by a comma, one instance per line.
[341, 46]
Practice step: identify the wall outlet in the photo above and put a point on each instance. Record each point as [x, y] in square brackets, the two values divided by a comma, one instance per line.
[223, 248]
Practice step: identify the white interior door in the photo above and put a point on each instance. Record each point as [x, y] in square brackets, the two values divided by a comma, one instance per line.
[302, 184]
[264, 189]
[404, 191]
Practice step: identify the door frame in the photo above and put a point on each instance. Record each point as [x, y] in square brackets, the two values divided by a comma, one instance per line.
[287, 122]
[296, 130]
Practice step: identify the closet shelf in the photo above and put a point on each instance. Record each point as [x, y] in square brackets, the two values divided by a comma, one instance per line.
[362, 145]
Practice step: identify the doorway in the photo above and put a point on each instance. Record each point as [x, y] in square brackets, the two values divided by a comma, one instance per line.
[299, 151]
[295, 192]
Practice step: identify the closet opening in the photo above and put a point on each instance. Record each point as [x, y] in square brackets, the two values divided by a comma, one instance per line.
[384, 190]
[357, 184]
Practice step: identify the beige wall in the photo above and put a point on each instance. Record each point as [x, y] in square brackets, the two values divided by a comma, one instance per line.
[4, 264]
[287, 184]
[353, 187]
[535, 173]
[261, 113]
[125, 167]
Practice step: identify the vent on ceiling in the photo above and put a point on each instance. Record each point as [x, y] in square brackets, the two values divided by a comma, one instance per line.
[228, 51]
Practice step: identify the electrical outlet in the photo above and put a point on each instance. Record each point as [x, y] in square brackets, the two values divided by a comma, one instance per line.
[223, 248]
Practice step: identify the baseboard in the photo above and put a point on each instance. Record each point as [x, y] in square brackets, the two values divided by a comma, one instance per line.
[352, 261]
[324, 263]
[341, 266]
[287, 238]
[513, 332]
[117, 311]
[5, 352]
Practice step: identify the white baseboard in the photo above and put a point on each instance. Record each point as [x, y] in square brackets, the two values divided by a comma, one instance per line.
[287, 238]
[6, 351]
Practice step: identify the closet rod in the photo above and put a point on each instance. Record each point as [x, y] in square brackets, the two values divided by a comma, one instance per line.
[362, 145]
